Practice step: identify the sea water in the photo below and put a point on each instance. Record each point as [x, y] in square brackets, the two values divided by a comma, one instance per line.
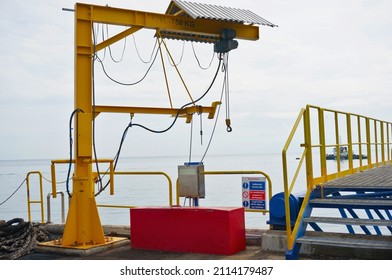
[135, 190]
[146, 190]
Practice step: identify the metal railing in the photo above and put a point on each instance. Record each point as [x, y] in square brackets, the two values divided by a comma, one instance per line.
[49, 218]
[40, 201]
[360, 133]
[142, 173]
[237, 172]
[113, 173]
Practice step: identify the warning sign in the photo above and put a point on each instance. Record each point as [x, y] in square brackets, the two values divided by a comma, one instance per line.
[253, 193]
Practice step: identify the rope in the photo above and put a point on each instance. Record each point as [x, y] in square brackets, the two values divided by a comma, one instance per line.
[18, 238]
[17, 189]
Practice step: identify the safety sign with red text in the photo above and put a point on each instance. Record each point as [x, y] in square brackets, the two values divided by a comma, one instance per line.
[253, 193]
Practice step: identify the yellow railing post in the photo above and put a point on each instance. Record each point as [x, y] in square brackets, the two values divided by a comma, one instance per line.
[359, 142]
[40, 201]
[323, 152]
[337, 141]
[287, 191]
[349, 143]
[308, 147]
[368, 143]
[375, 141]
[53, 177]
[382, 142]
[388, 142]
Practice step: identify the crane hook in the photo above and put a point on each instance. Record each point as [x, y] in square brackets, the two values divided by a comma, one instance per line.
[228, 125]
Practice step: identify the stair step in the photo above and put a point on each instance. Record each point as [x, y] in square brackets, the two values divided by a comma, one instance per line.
[348, 221]
[348, 242]
[353, 203]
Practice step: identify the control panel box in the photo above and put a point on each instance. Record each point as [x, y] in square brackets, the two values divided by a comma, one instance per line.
[191, 181]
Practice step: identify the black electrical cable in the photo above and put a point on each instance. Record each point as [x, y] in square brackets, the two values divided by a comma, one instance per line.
[110, 50]
[103, 38]
[198, 61]
[184, 106]
[117, 156]
[96, 57]
[70, 149]
[137, 50]
[128, 84]
[182, 55]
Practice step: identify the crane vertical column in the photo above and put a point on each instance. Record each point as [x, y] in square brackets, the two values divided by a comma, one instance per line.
[83, 225]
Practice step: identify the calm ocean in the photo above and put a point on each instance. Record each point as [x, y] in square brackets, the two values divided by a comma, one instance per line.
[146, 190]
[137, 190]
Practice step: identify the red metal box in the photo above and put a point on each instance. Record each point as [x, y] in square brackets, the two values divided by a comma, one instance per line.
[189, 229]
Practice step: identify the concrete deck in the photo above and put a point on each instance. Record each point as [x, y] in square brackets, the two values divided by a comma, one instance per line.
[261, 244]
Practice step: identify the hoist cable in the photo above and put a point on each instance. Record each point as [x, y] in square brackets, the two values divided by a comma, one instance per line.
[216, 120]
[191, 142]
[225, 68]
[201, 125]
[116, 157]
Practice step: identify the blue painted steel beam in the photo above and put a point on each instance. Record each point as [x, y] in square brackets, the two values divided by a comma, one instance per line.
[354, 215]
[370, 215]
[344, 215]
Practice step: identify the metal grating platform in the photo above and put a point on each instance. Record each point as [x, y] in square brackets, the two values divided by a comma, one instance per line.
[377, 178]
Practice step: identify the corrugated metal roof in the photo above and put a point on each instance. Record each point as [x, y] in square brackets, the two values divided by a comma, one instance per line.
[208, 11]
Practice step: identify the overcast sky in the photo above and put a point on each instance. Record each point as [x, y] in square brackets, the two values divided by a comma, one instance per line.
[335, 54]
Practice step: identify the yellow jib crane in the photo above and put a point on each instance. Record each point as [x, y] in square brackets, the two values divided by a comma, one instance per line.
[83, 226]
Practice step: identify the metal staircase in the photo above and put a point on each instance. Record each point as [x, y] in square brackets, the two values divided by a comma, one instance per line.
[363, 207]
[347, 202]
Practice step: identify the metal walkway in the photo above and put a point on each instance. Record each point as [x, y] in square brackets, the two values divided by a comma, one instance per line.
[354, 196]
[376, 178]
